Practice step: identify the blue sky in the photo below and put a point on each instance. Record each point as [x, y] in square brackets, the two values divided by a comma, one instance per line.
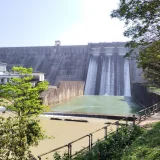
[73, 22]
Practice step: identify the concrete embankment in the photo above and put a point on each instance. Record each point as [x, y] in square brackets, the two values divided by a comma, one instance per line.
[100, 116]
[64, 91]
[143, 96]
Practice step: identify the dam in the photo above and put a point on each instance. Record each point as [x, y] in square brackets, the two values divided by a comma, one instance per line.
[100, 65]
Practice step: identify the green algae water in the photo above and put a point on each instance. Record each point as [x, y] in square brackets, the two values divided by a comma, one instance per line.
[111, 105]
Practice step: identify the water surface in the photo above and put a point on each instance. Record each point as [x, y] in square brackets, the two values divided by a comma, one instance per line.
[111, 105]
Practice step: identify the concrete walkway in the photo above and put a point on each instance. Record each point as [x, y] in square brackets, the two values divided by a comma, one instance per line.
[154, 118]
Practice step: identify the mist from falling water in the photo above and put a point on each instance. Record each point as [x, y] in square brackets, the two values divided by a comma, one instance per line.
[91, 76]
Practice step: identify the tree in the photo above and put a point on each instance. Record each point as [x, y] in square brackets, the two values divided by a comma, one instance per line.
[149, 61]
[142, 19]
[22, 130]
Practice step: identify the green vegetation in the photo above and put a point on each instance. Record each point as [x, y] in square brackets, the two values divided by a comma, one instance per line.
[147, 146]
[149, 61]
[112, 148]
[21, 130]
[142, 20]
[128, 144]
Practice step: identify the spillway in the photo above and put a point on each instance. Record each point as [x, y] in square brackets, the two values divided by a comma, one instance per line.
[114, 76]
[107, 76]
[91, 76]
[103, 77]
[127, 87]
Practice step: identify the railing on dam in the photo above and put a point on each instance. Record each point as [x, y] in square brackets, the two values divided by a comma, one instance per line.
[89, 138]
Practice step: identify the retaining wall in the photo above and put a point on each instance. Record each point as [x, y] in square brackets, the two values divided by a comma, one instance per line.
[143, 96]
[64, 91]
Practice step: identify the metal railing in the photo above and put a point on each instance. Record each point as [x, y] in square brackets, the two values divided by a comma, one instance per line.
[90, 137]
[147, 112]
[135, 120]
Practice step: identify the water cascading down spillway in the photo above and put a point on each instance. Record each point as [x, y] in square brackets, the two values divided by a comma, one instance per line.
[127, 87]
[115, 76]
[111, 76]
[90, 86]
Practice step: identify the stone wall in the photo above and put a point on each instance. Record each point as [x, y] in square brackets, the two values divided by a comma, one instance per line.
[143, 96]
[64, 91]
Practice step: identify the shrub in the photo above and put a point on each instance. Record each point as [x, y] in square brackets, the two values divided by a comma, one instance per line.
[147, 146]
[112, 147]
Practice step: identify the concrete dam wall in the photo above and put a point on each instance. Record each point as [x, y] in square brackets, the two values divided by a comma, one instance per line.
[100, 65]
[64, 91]
[59, 63]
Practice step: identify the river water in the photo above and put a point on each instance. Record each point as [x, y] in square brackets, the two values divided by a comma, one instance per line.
[111, 105]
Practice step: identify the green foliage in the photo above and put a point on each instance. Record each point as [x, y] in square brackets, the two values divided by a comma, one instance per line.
[21, 131]
[23, 97]
[17, 136]
[147, 146]
[113, 147]
[142, 20]
[149, 61]
[58, 157]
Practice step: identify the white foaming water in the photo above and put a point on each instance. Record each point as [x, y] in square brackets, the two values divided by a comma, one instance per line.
[91, 76]
[105, 85]
[108, 84]
[119, 82]
[112, 78]
[103, 78]
[108, 77]
[127, 87]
